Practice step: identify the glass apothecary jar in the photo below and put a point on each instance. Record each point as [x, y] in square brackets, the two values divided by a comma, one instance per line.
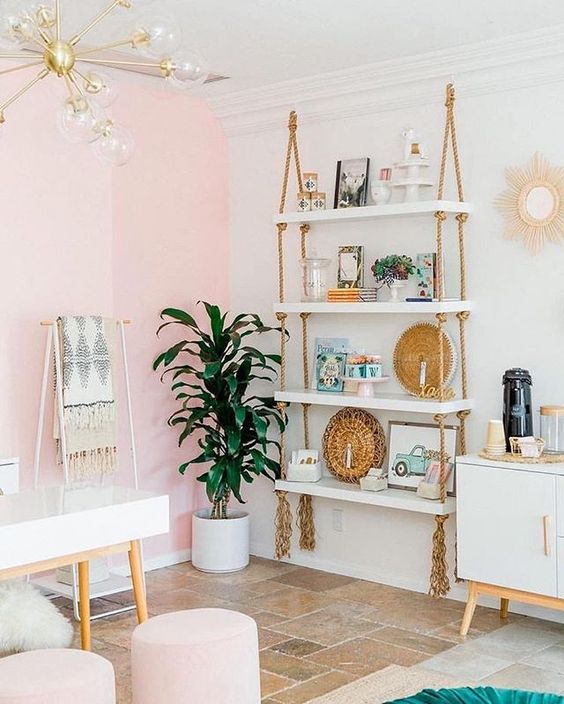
[314, 278]
[552, 429]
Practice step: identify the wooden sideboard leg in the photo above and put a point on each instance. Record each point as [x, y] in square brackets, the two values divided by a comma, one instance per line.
[138, 581]
[504, 608]
[84, 604]
[470, 608]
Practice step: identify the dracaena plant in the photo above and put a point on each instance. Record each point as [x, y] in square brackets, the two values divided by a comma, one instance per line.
[211, 371]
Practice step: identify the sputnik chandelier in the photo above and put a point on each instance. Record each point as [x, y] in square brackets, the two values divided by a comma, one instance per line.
[35, 27]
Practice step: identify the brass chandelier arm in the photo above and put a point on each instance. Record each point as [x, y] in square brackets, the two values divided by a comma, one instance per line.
[57, 20]
[112, 62]
[113, 45]
[72, 79]
[82, 76]
[20, 67]
[96, 20]
[23, 57]
[23, 90]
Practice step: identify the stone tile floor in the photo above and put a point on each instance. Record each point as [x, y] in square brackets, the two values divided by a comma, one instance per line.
[319, 631]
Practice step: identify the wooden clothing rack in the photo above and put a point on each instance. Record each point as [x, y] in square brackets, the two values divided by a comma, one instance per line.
[115, 584]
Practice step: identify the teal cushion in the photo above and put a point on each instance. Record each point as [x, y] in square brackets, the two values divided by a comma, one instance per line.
[480, 695]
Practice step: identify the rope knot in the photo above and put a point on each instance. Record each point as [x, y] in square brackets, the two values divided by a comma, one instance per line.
[441, 215]
[305, 228]
[450, 96]
[281, 227]
[441, 317]
[304, 316]
[439, 418]
[462, 415]
[463, 315]
[293, 122]
[281, 317]
[462, 217]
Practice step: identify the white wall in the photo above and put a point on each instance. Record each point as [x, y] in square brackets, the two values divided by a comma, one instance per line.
[519, 317]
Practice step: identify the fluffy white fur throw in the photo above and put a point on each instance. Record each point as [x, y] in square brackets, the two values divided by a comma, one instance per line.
[29, 621]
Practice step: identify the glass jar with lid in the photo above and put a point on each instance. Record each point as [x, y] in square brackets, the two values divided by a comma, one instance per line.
[552, 429]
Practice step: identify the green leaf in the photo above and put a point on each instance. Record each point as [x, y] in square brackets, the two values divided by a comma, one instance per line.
[211, 369]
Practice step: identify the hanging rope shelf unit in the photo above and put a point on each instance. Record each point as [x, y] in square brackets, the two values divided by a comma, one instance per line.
[439, 578]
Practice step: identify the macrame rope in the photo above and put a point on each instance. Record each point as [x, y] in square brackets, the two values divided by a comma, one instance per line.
[305, 509]
[283, 520]
[439, 583]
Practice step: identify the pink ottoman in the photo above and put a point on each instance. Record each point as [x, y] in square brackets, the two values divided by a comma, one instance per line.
[197, 656]
[56, 677]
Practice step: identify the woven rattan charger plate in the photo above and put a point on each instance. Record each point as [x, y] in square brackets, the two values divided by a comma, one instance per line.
[367, 439]
[420, 343]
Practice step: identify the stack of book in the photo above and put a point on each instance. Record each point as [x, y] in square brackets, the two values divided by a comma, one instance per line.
[351, 295]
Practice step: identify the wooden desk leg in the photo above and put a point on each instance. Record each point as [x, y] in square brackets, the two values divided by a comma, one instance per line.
[138, 581]
[84, 604]
[470, 608]
[504, 608]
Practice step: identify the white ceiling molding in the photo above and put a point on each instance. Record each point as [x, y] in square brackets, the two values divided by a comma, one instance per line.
[517, 61]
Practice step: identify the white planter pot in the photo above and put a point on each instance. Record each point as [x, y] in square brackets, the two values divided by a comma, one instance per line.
[220, 545]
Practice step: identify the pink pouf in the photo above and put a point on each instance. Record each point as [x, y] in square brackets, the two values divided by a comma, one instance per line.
[201, 655]
[56, 677]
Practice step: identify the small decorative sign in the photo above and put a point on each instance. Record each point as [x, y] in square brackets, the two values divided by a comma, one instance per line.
[428, 391]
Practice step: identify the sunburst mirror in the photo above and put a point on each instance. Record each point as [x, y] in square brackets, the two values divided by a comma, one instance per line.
[533, 205]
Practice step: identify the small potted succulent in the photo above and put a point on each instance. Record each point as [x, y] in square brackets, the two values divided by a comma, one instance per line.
[393, 271]
[213, 370]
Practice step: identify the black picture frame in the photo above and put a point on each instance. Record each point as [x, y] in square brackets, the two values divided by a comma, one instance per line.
[349, 191]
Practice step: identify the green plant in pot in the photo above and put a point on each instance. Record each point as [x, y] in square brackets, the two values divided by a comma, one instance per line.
[211, 370]
[393, 271]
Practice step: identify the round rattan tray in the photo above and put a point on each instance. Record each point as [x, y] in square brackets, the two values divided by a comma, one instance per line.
[420, 343]
[364, 434]
[510, 457]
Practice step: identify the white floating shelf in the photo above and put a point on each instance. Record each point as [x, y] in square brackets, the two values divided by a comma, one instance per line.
[382, 402]
[369, 212]
[395, 307]
[329, 488]
[113, 585]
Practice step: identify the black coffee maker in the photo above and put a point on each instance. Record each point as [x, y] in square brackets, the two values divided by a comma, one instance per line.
[517, 406]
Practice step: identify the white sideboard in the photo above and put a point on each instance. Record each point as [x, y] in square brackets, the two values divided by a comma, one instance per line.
[510, 524]
[9, 475]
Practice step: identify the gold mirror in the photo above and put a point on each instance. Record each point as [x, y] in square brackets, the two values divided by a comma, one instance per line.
[533, 204]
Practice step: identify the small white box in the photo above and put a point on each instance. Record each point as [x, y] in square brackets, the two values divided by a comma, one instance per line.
[369, 483]
[304, 472]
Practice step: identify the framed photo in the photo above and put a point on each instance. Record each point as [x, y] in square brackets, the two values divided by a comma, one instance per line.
[350, 270]
[414, 454]
[330, 371]
[351, 183]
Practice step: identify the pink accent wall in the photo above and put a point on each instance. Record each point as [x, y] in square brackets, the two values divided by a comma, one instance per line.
[78, 237]
[170, 222]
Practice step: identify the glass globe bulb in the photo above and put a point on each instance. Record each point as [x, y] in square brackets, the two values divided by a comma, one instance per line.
[101, 88]
[79, 120]
[189, 70]
[17, 24]
[116, 144]
[162, 35]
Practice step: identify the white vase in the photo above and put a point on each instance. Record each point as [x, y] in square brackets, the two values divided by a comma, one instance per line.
[395, 288]
[381, 191]
[220, 544]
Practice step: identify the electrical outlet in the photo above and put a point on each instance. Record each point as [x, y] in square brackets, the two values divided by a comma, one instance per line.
[338, 520]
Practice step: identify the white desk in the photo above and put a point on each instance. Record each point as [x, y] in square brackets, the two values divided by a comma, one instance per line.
[54, 526]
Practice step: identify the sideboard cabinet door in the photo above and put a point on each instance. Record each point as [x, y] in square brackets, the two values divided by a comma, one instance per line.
[507, 528]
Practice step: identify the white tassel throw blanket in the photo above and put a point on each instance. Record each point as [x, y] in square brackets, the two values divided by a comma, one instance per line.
[87, 345]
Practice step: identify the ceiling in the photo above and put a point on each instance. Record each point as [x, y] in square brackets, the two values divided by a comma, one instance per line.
[258, 42]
